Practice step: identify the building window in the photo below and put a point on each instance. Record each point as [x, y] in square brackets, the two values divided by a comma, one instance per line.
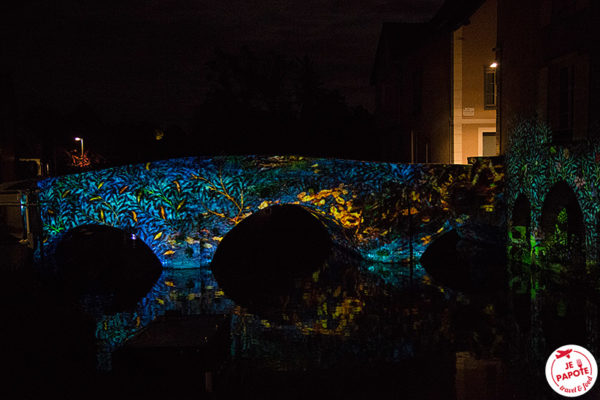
[488, 145]
[489, 88]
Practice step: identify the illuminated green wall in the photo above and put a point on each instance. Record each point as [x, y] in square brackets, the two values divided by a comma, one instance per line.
[554, 261]
[535, 165]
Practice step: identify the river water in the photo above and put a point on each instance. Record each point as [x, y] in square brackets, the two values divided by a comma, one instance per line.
[356, 329]
[353, 329]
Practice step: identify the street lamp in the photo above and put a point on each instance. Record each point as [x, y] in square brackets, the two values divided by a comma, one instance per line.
[78, 139]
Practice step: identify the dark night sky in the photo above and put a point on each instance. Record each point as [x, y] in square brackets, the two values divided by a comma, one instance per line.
[145, 60]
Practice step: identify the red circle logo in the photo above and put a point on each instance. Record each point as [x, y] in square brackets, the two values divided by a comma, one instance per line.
[571, 370]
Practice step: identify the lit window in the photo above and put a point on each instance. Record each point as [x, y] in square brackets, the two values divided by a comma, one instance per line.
[489, 88]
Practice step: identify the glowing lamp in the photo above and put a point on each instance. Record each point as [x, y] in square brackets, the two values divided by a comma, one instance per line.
[494, 65]
[78, 139]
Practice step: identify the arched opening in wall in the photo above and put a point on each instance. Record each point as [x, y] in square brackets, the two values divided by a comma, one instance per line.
[465, 264]
[563, 227]
[520, 228]
[106, 265]
[562, 271]
[519, 260]
[260, 262]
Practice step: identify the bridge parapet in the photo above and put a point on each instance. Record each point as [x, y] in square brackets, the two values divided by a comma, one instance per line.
[183, 207]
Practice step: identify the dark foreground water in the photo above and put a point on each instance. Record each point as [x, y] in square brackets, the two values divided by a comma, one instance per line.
[353, 330]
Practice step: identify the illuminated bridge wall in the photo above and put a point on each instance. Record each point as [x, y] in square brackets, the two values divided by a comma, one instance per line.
[539, 173]
[552, 195]
[182, 208]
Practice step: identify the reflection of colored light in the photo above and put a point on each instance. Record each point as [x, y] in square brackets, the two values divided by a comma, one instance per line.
[150, 198]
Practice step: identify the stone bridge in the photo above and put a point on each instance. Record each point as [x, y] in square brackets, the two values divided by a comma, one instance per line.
[183, 208]
[554, 226]
[552, 196]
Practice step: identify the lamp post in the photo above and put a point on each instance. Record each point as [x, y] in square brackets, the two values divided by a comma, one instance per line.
[78, 139]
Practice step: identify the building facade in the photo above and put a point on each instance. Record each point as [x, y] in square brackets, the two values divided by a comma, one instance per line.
[442, 79]
[474, 78]
[548, 67]
[464, 80]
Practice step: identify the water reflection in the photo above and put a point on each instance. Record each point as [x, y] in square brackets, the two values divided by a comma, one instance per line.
[352, 329]
[551, 304]
[358, 328]
[179, 291]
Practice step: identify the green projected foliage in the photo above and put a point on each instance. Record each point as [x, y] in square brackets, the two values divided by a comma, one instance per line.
[552, 199]
[535, 166]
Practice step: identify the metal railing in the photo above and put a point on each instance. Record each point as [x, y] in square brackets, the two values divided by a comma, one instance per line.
[19, 217]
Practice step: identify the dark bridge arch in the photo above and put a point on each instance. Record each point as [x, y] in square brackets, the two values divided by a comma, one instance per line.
[520, 229]
[520, 256]
[563, 226]
[259, 261]
[183, 208]
[563, 267]
[521, 214]
[108, 264]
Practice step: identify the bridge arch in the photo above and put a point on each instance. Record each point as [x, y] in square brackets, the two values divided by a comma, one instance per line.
[563, 226]
[520, 228]
[107, 264]
[184, 208]
[259, 261]
[520, 247]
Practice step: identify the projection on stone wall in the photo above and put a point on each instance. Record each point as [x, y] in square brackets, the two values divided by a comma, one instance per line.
[553, 209]
[182, 209]
[552, 196]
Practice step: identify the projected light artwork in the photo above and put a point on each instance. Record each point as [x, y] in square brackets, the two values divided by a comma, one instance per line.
[385, 214]
[554, 190]
[553, 213]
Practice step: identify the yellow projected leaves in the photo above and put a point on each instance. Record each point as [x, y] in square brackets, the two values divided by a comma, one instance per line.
[341, 209]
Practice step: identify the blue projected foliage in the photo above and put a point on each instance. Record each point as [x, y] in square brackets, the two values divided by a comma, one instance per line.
[182, 209]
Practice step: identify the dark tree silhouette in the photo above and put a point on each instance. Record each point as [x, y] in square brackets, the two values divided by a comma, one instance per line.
[273, 104]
